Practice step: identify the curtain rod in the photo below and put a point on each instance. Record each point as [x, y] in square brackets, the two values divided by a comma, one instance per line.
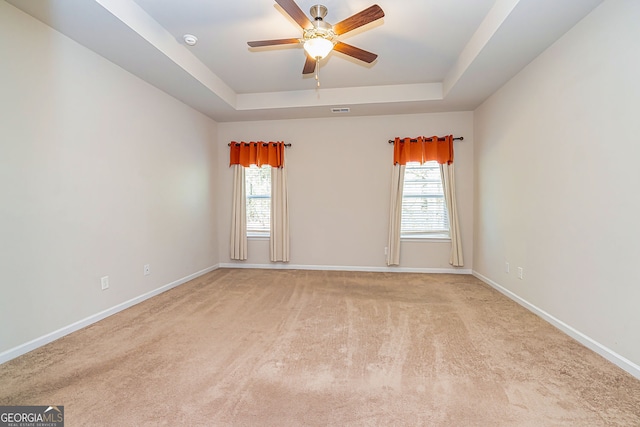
[460, 138]
[264, 144]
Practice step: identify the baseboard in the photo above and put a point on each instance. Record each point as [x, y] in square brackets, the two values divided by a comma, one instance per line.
[286, 266]
[46, 339]
[583, 339]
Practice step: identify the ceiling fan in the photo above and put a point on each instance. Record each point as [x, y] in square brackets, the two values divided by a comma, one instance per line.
[319, 37]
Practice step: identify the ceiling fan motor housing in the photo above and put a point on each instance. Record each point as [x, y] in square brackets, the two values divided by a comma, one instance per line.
[320, 27]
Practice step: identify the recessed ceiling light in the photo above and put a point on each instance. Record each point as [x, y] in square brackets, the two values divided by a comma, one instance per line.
[189, 39]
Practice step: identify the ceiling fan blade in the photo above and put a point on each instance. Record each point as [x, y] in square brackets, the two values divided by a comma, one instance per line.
[370, 14]
[294, 11]
[262, 43]
[355, 52]
[309, 65]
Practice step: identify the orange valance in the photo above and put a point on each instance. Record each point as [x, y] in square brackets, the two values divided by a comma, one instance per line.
[423, 149]
[256, 153]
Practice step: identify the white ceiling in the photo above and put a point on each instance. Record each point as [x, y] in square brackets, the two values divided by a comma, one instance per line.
[434, 55]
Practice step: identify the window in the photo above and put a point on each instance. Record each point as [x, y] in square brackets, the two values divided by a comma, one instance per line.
[424, 211]
[258, 191]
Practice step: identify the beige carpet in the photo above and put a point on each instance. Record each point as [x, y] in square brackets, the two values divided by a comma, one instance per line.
[297, 348]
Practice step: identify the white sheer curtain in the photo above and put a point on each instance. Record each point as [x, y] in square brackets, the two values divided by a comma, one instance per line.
[238, 216]
[448, 186]
[279, 236]
[395, 214]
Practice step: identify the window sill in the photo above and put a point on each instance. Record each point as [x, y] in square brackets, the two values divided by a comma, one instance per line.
[426, 238]
[258, 236]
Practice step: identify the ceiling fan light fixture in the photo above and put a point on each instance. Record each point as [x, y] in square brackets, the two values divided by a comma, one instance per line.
[318, 47]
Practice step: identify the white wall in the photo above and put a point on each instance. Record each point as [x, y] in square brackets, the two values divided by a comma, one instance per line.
[557, 176]
[339, 173]
[100, 173]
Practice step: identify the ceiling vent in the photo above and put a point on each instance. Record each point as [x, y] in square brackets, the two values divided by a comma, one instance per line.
[190, 39]
[340, 110]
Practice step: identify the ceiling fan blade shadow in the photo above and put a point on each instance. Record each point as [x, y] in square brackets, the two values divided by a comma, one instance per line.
[261, 43]
[294, 11]
[355, 52]
[364, 17]
[309, 65]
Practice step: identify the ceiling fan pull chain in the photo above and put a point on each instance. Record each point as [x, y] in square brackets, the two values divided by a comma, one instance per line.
[318, 70]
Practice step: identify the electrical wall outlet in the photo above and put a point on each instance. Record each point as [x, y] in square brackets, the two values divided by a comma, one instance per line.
[147, 269]
[104, 282]
[506, 267]
[520, 273]
[386, 250]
